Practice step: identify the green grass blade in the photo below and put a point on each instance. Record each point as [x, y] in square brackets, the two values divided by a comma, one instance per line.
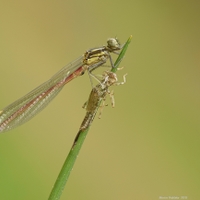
[71, 158]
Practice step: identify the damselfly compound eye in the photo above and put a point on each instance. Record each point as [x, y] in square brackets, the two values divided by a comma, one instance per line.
[113, 43]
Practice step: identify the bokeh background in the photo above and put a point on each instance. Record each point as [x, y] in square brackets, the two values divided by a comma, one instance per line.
[148, 146]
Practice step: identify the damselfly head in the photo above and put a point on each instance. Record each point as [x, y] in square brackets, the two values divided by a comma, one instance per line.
[113, 44]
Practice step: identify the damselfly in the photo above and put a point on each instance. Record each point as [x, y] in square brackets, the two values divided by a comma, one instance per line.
[32, 103]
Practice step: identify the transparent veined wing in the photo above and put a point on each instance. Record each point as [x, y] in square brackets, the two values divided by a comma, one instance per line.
[32, 103]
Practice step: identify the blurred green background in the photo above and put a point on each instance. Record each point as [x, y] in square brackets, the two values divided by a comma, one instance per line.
[148, 146]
